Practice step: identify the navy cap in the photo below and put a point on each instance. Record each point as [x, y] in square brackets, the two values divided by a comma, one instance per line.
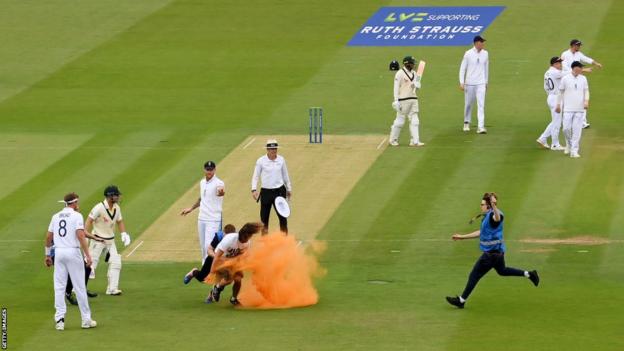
[576, 64]
[478, 38]
[575, 42]
[409, 59]
[555, 59]
[210, 165]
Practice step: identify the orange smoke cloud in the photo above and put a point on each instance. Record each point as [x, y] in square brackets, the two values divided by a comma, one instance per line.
[282, 272]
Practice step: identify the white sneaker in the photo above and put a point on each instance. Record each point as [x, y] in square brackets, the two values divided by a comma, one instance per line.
[92, 274]
[89, 324]
[114, 292]
[60, 324]
[481, 131]
[566, 150]
[557, 148]
[417, 144]
[394, 143]
[543, 144]
[575, 155]
[585, 125]
[466, 127]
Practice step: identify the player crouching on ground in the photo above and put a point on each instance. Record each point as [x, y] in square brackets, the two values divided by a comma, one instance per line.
[231, 246]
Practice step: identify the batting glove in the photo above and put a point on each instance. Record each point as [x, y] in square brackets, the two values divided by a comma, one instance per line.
[416, 85]
[125, 239]
[396, 105]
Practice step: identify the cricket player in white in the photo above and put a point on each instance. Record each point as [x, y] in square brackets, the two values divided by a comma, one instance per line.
[574, 54]
[66, 229]
[574, 95]
[473, 81]
[102, 220]
[406, 103]
[210, 203]
[231, 246]
[552, 80]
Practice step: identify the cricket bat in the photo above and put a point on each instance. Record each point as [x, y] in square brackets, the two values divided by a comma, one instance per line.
[420, 70]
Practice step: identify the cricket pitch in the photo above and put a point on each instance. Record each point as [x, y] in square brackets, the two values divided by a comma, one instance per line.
[322, 176]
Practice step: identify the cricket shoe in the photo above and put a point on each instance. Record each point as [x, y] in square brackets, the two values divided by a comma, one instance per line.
[209, 298]
[89, 323]
[455, 301]
[234, 301]
[586, 125]
[60, 324]
[91, 294]
[534, 278]
[189, 276]
[566, 150]
[417, 144]
[481, 131]
[466, 127]
[543, 144]
[113, 292]
[71, 299]
[557, 148]
[394, 143]
[575, 155]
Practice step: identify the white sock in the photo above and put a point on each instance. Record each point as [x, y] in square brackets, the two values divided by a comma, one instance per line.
[462, 300]
[526, 274]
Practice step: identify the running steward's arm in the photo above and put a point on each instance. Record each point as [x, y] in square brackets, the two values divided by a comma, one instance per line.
[472, 235]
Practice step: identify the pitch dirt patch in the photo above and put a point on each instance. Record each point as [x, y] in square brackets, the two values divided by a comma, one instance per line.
[322, 176]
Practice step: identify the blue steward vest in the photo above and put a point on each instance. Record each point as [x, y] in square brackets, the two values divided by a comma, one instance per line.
[491, 238]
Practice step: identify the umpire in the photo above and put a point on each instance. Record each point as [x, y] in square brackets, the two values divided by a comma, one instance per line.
[272, 172]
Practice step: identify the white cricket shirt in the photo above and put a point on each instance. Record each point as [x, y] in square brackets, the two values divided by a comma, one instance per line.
[403, 84]
[552, 80]
[574, 90]
[474, 67]
[104, 219]
[568, 57]
[231, 247]
[64, 225]
[272, 173]
[210, 205]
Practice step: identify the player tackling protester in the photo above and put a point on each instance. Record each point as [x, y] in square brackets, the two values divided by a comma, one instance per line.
[102, 220]
[66, 229]
[231, 247]
[210, 203]
[493, 247]
[272, 172]
[201, 274]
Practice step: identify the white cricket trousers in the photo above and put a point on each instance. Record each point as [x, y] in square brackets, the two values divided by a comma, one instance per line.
[206, 231]
[409, 109]
[572, 129]
[69, 261]
[114, 262]
[472, 93]
[553, 128]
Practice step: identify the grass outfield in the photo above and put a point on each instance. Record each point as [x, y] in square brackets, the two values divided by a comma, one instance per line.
[138, 95]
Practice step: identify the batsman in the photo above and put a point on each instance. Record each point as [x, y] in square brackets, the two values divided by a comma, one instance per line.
[102, 220]
[406, 82]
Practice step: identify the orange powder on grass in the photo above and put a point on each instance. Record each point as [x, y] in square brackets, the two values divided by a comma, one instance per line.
[279, 273]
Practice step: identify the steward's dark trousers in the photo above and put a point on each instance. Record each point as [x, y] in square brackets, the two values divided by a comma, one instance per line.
[205, 270]
[267, 200]
[70, 286]
[487, 261]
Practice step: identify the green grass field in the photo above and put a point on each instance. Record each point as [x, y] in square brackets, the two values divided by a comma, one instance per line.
[141, 93]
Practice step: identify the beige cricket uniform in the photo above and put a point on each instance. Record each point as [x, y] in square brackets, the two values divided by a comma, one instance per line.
[405, 94]
[104, 220]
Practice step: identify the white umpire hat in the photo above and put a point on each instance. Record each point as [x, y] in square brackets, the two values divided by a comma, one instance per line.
[272, 144]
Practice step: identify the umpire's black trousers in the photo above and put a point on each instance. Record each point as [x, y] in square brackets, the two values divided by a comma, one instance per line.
[487, 261]
[267, 200]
